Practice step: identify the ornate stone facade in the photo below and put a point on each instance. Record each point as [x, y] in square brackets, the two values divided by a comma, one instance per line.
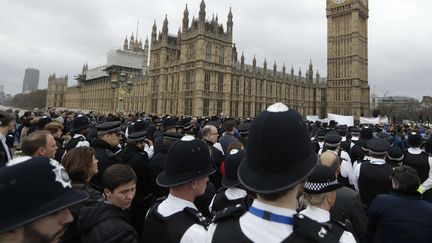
[198, 72]
[347, 57]
[56, 91]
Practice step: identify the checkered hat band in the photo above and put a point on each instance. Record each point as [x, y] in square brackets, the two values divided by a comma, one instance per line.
[312, 186]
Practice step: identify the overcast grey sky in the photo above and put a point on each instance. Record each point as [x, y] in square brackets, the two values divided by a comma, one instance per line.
[59, 36]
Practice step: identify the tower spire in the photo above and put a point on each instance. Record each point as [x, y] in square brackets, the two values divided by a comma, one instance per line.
[136, 33]
[185, 19]
[202, 12]
[154, 33]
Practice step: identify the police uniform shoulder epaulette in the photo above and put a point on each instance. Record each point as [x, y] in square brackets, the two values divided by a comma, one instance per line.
[313, 230]
[233, 211]
[199, 216]
[344, 226]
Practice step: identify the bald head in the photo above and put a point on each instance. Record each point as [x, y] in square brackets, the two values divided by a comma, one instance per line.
[330, 159]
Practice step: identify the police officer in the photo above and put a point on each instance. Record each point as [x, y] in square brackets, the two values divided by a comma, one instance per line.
[35, 196]
[333, 143]
[106, 147]
[80, 126]
[231, 193]
[320, 193]
[373, 177]
[176, 219]
[279, 158]
[134, 154]
[419, 160]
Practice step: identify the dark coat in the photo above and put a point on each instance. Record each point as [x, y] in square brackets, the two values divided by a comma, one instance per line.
[348, 207]
[156, 165]
[106, 156]
[3, 155]
[226, 139]
[60, 149]
[71, 234]
[401, 218]
[217, 159]
[106, 223]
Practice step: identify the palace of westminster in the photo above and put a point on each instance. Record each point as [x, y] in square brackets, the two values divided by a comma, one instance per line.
[199, 72]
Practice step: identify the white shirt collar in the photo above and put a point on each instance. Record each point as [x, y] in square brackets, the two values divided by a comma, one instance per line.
[414, 150]
[2, 137]
[377, 161]
[234, 193]
[181, 203]
[316, 213]
[77, 135]
[273, 209]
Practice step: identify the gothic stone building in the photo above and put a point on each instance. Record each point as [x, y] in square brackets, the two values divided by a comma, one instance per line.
[347, 57]
[198, 72]
[56, 91]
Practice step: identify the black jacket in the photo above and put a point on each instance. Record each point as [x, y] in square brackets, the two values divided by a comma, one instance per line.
[106, 156]
[3, 155]
[106, 223]
[348, 207]
[60, 149]
[217, 160]
[156, 165]
[399, 217]
[71, 234]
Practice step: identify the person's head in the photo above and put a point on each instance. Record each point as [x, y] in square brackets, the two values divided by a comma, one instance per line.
[169, 124]
[39, 143]
[332, 141]
[110, 132]
[320, 186]
[187, 168]
[55, 128]
[35, 196]
[7, 122]
[378, 148]
[279, 155]
[235, 145]
[210, 133]
[405, 179]
[119, 185]
[229, 125]
[81, 124]
[231, 164]
[414, 140]
[80, 163]
[331, 160]
[43, 121]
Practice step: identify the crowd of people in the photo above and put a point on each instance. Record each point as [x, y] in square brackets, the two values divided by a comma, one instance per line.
[72, 177]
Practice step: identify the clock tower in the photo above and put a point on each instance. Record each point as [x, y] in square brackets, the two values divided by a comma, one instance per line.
[347, 57]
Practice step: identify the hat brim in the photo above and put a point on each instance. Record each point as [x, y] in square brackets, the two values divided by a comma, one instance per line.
[275, 181]
[229, 182]
[137, 136]
[80, 128]
[166, 180]
[71, 198]
[324, 190]
[171, 126]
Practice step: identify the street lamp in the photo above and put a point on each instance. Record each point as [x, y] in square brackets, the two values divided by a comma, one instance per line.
[122, 86]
